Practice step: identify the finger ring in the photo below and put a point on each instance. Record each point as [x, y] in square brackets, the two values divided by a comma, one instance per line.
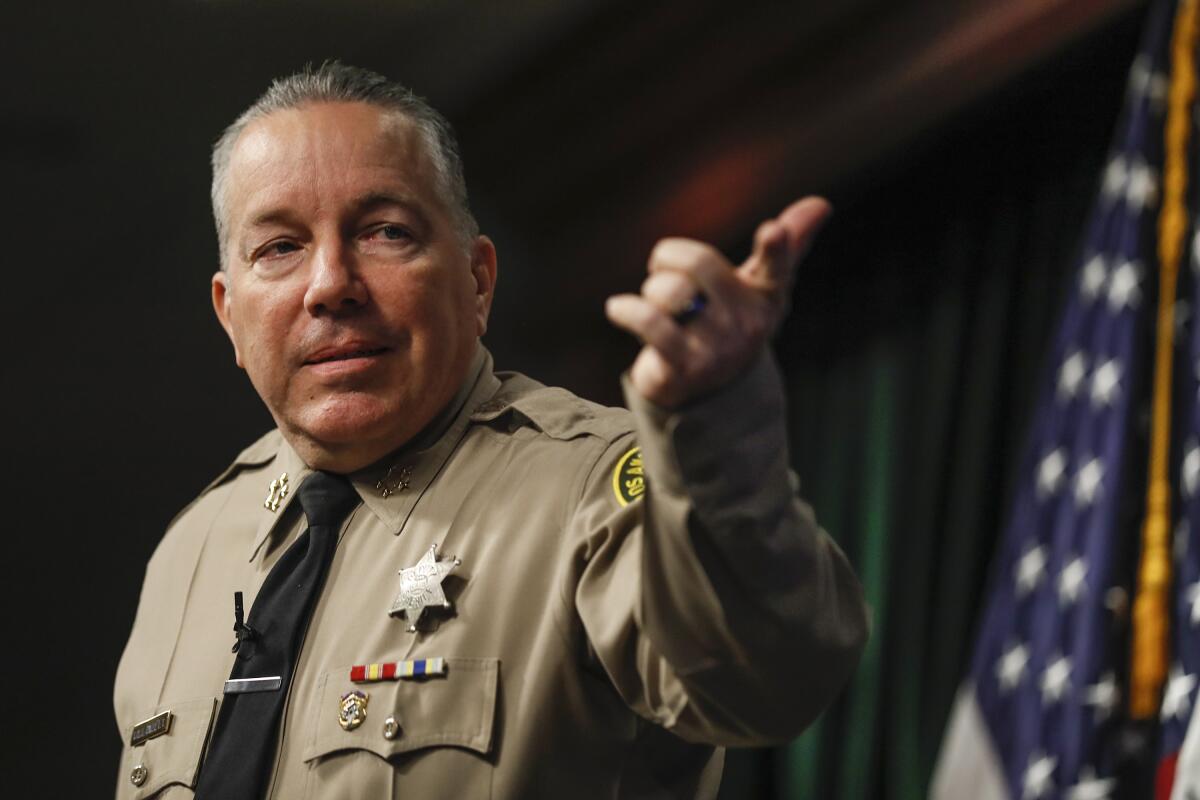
[692, 309]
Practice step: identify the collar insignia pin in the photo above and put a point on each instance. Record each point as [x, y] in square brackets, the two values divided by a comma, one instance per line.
[276, 492]
[397, 479]
[421, 587]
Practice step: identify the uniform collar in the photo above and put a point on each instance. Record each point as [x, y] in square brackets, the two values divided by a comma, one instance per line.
[391, 487]
[288, 470]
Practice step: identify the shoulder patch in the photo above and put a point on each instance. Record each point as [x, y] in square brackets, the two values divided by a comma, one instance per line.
[629, 477]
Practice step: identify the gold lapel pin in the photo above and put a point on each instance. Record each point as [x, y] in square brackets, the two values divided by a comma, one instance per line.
[397, 479]
[276, 492]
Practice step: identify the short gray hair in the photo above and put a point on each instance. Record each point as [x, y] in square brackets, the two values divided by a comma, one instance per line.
[334, 82]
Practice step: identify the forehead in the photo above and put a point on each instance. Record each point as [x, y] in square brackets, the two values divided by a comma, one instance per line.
[319, 152]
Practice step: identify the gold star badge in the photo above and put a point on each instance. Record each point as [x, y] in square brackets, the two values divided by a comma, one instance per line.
[421, 587]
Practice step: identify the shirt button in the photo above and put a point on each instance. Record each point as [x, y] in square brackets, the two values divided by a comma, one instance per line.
[139, 775]
[391, 728]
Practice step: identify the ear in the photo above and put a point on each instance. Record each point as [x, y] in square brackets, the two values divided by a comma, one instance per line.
[483, 270]
[221, 299]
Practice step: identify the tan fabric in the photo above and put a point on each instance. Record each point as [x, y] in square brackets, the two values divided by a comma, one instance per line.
[595, 649]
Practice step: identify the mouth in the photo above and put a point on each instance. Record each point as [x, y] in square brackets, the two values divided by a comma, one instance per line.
[343, 354]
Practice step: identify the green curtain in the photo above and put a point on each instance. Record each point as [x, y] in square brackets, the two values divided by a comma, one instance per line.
[911, 358]
[905, 445]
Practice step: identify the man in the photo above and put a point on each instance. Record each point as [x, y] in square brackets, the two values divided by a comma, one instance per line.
[590, 603]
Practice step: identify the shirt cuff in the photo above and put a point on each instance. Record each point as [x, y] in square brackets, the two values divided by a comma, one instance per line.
[742, 425]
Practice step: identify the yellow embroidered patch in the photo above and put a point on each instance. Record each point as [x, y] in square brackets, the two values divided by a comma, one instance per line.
[629, 477]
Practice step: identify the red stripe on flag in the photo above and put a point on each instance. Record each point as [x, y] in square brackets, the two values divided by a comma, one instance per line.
[1165, 778]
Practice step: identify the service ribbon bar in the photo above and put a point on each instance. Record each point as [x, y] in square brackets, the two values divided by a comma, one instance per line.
[393, 670]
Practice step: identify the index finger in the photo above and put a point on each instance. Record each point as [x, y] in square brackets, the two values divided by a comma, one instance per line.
[781, 242]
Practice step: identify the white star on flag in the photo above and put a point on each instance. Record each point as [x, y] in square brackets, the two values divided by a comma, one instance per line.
[1051, 470]
[1090, 787]
[1103, 696]
[1011, 667]
[1144, 82]
[1142, 189]
[1105, 382]
[1037, 776]
[1177, 700]
[1030, 568]
[1123, 288]
[1072, 581]
[1071, 374]
[1115, 176]
[1191, 470]
[1087, 482]
[1056, 680]
[1093, 277]
[1193, 597]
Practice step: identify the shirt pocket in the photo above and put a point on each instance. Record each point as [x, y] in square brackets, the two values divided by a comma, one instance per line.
[419, 737]
[169, 759]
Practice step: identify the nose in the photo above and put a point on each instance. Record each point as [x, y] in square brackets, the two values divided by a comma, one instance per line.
[334, 284]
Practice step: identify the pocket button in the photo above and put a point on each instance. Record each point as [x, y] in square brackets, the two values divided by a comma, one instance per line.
[139, 775]
[391, 728]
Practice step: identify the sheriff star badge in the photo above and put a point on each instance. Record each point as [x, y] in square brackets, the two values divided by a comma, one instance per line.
[421, 587]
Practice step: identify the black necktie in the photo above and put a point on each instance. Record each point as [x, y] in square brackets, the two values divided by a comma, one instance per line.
[242, 753]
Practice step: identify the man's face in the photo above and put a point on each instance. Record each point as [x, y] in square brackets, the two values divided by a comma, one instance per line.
[352, 303]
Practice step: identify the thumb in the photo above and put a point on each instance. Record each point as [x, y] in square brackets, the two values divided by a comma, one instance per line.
[780, 243]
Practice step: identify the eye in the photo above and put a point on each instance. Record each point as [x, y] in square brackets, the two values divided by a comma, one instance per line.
[391, 233]
[280, 247]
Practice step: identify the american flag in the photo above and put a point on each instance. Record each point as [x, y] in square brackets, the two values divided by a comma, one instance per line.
[1180, 695]
[1038, 711]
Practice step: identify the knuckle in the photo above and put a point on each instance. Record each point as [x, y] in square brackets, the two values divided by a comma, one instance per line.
[686, 255]
[664, 251]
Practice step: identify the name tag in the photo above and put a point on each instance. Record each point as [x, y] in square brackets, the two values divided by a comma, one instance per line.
[151, 728]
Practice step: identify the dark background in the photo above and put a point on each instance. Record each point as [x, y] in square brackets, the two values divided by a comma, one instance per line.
[959, 142]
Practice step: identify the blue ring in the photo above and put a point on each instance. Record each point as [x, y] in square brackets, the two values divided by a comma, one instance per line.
[692, 310]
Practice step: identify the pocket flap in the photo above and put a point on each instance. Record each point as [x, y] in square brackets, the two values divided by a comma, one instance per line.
[456, 709]
[174, 756]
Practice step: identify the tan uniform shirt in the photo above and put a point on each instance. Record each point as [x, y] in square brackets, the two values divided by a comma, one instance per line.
[607, 635]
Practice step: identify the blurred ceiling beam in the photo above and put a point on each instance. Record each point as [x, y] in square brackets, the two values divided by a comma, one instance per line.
[931, 77]
[721, 118]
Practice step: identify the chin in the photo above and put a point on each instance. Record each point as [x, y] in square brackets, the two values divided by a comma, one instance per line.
[356, 421]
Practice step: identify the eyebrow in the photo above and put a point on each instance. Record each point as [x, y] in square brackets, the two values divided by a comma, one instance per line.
[373, 200]
[274, 216]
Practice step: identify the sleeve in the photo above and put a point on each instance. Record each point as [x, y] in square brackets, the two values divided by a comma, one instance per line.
[715, 604]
